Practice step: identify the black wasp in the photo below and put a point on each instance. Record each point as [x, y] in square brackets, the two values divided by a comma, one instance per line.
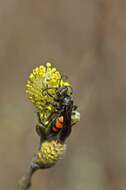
[60, 124]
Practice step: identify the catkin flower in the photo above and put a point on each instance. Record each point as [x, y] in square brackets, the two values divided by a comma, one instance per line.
[42, 78]
[49, 153]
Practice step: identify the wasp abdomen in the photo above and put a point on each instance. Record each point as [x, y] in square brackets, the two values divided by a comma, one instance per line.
[58, 124]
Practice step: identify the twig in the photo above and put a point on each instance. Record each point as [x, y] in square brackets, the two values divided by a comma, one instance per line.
[25, 182]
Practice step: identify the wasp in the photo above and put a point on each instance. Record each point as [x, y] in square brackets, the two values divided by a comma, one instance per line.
[60, 124]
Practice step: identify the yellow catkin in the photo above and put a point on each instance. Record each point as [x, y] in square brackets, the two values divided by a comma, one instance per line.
[41, 77]
[49, 153]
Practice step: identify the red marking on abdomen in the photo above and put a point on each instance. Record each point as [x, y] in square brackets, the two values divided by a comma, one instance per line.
[58, 124]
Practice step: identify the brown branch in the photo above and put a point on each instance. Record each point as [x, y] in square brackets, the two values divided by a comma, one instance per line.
[25, 182]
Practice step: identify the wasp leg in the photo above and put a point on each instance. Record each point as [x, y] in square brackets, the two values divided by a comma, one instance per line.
[47, 92]
[52, 104]
[74, 107]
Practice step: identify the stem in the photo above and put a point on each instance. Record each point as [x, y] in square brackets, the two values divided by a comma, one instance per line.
[25, 182]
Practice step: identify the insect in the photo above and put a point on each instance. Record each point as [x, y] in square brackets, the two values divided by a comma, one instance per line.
[60, 123]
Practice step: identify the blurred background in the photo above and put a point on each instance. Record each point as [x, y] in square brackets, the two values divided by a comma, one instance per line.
[86, 40]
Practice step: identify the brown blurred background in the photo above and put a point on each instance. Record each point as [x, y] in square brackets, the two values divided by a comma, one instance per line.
[86, 40]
